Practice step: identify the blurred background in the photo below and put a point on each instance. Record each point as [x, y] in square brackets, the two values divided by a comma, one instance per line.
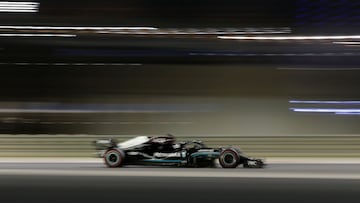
[278, 78]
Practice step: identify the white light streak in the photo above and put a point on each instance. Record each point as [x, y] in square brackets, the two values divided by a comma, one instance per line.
[341, 37]
[19, 7]
[181, 32]
[321, 110]
[322, 102]
[75, 28]
[146, 30]
[35, 35]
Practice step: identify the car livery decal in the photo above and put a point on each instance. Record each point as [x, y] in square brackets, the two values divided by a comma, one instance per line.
[208, 154]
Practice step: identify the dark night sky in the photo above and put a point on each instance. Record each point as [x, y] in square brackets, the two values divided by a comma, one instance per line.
[336, 14]
[181, 13]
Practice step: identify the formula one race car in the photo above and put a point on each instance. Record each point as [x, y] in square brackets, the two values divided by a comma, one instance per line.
[163, 150]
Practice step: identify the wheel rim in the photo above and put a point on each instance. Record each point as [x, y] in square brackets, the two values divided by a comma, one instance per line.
[229, 159]
[113, 158]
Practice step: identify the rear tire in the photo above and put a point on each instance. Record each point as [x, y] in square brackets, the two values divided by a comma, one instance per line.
[113, 158]
[229, 158]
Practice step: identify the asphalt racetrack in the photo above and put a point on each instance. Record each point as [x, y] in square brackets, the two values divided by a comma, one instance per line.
[92, 182]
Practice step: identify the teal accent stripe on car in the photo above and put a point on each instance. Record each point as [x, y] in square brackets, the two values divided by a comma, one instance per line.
[208, 154]
[162, 161]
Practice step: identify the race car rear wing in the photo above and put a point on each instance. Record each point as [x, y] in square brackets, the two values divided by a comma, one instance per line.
[105, 144]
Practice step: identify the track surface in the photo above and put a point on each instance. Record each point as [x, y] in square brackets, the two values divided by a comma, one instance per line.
[92, 182]
[275, 171]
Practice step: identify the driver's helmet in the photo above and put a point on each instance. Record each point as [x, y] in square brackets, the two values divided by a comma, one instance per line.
[170, 135]
[167, 139]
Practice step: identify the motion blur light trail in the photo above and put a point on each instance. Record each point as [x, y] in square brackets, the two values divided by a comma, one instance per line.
[329, 37]
[322, 110]
[323, 102]
[34, 35]
[223, 72]
[326, 106]
[19, 7]
[75, 28]
[299, 149]
[145, 30]
[34, 107]
[156, 62]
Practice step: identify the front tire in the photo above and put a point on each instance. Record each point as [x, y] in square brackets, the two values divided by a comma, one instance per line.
[113, 158]
[229, 158]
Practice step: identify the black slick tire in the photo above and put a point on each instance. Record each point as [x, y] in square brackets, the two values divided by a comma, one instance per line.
[113, 158]
[229, 158]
